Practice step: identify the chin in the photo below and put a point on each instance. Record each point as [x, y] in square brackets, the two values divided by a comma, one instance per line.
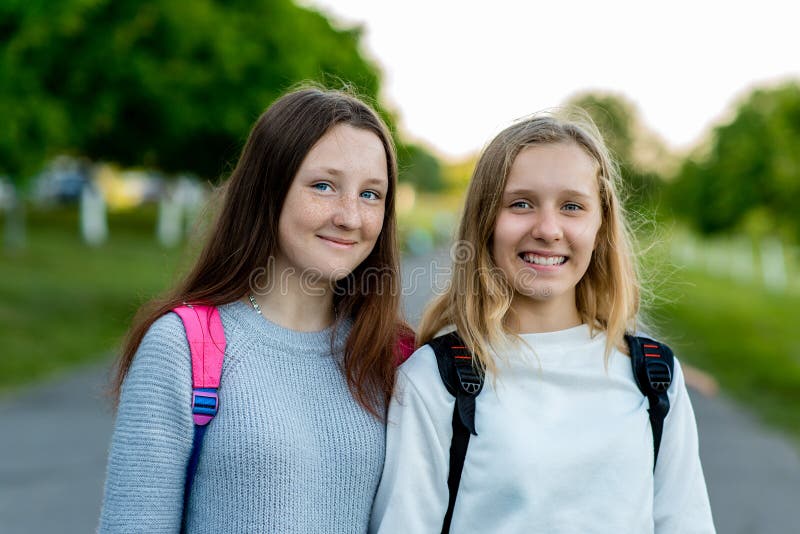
[538, 290]
[537, 294]
[328, 273]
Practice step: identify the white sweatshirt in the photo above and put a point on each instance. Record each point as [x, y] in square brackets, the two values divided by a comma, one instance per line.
[563, 447]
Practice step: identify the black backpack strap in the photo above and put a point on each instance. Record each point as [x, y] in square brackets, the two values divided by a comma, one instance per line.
[464, 383]
[653, 364]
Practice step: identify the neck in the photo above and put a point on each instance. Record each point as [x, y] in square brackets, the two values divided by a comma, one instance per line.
[528, 316]
[296, 307]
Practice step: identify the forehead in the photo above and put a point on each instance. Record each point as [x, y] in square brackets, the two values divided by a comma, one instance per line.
[345, 149]
[554, 167]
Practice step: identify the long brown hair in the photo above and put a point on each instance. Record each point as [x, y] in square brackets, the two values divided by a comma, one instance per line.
[244, 237]
[479, 297]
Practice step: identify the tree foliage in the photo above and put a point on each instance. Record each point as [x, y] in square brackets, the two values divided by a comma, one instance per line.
[419, 167]
[751, 169]
[169, 85]
[33, 121]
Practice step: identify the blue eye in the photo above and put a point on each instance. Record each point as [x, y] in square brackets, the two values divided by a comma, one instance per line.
[370, 195]
[322, 186]
[571, 206]
[522, 204]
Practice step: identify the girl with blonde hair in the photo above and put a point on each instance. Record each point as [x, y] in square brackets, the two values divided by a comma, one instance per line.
[543, 295]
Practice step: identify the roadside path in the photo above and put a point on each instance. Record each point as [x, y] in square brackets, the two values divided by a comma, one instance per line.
[54, 439]
[53, 445]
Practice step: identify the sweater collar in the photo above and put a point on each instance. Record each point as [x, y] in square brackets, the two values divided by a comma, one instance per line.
[261, 327]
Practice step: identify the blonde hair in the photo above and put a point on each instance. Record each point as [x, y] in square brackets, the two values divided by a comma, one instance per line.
[479, 297]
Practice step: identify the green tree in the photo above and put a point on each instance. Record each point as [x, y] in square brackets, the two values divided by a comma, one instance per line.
[34, 122]
[419, 167]
[170, 85]
[751, 168]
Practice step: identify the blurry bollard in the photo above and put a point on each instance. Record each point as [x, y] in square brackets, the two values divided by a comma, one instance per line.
[742, 259]
[716, 257]
[170, 214]
[191, 195]
[94, 224]
[683, 248]
[14, 237]
[773, 264]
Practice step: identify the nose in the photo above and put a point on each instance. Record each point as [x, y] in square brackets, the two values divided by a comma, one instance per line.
[546, 226]
[346, 214]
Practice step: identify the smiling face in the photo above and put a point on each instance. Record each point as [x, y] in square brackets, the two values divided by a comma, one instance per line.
[547, 225]
[334, 209]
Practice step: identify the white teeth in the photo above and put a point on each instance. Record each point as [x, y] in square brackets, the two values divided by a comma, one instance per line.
[544, 260]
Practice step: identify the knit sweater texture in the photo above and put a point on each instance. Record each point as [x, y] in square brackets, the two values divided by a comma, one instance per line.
[290, 450]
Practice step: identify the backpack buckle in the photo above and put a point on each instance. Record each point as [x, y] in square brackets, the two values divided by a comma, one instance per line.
[470, 382]
[470, 385]
[205, 403]
[659, 375]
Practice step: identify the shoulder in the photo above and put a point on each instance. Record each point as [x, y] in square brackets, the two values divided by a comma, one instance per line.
[166, 334]
[159, 380]
[421, 365]
[167, 329]
[163, 354]
[419, 388]
[678, 385]
[420, 375]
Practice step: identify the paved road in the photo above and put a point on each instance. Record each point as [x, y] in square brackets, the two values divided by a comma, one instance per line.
[53, 444]
[54, 438]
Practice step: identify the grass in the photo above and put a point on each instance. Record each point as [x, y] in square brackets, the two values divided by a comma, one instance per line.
[63, 303]
[745, 336]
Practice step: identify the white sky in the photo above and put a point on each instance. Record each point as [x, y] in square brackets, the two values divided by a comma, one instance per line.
[458, 72]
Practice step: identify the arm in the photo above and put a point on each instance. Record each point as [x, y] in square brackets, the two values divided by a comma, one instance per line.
[152, 437]
[412, 495]
[680, 502]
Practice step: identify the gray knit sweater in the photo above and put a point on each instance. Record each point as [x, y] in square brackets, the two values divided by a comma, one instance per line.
[289, 451]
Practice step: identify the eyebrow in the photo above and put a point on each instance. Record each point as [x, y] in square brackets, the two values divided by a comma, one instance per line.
[327, 170]
[377, 181]
[531, 192]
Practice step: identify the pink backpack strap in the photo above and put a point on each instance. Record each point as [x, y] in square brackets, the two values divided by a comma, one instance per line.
[405, 348]
[207, 346]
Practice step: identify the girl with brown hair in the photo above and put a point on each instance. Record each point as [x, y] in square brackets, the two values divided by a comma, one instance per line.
[298, 442]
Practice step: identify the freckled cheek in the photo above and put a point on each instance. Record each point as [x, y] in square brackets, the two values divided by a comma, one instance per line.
[372, 222]
[311, 214]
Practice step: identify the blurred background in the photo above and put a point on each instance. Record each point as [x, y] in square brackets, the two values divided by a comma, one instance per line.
[117, 119]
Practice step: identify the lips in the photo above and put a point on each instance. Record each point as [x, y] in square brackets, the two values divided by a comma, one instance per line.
[337, 240]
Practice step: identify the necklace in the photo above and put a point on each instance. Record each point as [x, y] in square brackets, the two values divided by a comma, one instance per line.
[256, 307]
